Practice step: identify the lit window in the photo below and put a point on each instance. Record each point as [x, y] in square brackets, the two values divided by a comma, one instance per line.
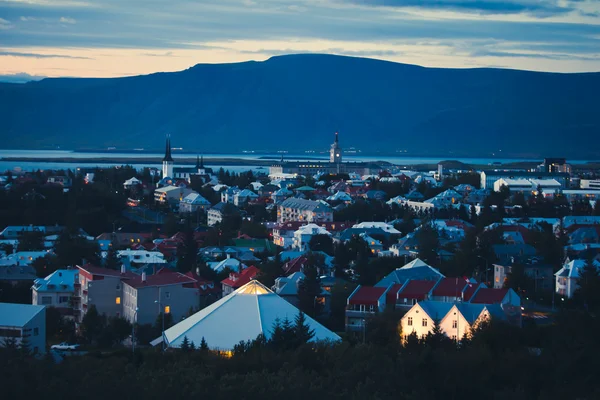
[131, 240]
[409, 321]
[118, 300]
[167, 309]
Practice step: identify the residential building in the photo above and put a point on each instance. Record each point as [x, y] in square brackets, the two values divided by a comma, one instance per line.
[171, 194]
[513, 185]
[414, 270]
[23, 322]
[555, 165]
[567, 278]
[406, 295]
[22, 258]
[136, 259]
[243, 197]
[506, 297]
[56, 290]
[193, 203]
[102, 288]
[590, 184]
[217, 212]
[15, 232]
[249, 311]
[287, 288]
[63, 181]
[131, 183]
[144, 297]
[489, 177]
[14, 275]
[305, 233]
[387, 228]
[228, 263]
[364, 303]
[542, 275]
[238, 279]
[304, 210]
[450, 289]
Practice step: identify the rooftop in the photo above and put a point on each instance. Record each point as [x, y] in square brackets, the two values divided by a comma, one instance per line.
[367, 295]
[18, 315]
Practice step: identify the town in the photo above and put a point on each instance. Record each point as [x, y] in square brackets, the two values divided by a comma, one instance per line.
[327, 254]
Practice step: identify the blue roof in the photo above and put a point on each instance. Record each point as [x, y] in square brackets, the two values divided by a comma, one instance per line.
[18, 315]
[436, 309]
[61, 280]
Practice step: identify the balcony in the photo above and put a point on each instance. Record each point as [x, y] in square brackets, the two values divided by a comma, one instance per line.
[359, 314]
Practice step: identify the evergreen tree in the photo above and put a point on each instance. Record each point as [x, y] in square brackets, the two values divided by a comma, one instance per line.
[203, 346]
[187, 252]
[185, 345]
[112, 261]
[588, 292]
[92, 325]
[436, 338]
[309, 290]
[303, 332]
[597, 208]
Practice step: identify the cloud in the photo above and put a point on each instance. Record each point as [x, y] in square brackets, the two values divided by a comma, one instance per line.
[4, 24]
[533, 7]
[166, 54]
[37, 55]
[21, 77]
[67, 20]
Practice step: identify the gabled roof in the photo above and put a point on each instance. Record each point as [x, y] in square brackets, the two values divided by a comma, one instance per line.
[18, 315]
[165, 277]
[294, 265]
[416, 289]
[489, 296]
[450, 287]
[367, 295]
[415, 269]
[236, 280]
[251, 310]
[301, 204]
[436, 310]
[61, 280]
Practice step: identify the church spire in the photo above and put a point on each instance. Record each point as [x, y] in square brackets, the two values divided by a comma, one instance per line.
[198, 161]
[201, 161]
[336, 138]
[168, 149]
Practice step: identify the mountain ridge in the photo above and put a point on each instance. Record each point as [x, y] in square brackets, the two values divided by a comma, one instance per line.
[296, 102]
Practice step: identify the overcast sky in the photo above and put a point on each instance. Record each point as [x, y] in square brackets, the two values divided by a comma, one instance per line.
[129, 37]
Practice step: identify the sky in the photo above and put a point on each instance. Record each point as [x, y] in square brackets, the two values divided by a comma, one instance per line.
[106, 38]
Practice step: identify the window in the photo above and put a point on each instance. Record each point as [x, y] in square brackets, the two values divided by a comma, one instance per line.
[46, 300]
[454, 324]
[36, 331]
[118, 287]
[409, 321]
[63, 299]
[167, 295]
[424, 323]
[167, 309]
[371, 308]
[118, 300]
[454, 337]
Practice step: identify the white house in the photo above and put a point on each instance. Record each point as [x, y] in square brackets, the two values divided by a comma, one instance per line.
[305, 233]
[20, 322]
[243, 197]
[568, 276]
[131, 182]
[171, 194]
[455, 319]
[56, 289]
[193, 203]
[22, 258]
[513, 185]
[230, 263]
[139, 258]
[389, 228]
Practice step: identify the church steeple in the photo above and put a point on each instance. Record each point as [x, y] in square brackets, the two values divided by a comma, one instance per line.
[168, 150]
[198, 161]
[335, 153]
[201, 161]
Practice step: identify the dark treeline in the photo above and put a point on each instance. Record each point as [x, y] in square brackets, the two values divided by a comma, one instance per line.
[498, 362]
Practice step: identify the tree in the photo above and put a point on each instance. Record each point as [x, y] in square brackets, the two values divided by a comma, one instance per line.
[309, 291]
[303, 331]
[428, 239]
[322, 243]
[185, 345]
[269, 271]
[436, 338]
[31, 241]
[112, 261]
[203, 346]
[187, 252]
[92, 325]
[518, 280]
[588, 292]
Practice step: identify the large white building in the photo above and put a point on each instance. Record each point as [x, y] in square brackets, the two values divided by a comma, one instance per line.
[21, 322]
[56, 290]
[305, 233]
[294, 209]
[567, 277]
[590, 184]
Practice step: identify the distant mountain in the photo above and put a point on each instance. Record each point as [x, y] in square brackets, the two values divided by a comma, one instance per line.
[297, 102]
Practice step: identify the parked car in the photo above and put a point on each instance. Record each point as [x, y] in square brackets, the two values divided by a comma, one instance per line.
[64, 346]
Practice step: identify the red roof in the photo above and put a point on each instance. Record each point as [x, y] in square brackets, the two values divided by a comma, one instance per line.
[92, 270]
[367, 295]
[237, 280]
[450, 287]
[470, 290]
[489, 296]
[163, 278]
[390, 297]
[294, 265]
[417, 289]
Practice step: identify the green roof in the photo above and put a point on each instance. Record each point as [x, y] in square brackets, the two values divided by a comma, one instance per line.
[305, 189]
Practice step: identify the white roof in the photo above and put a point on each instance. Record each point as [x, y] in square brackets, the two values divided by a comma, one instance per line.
[146, 257]
[23, 257]
[573, 268]
[195, 198]
[381, 225]
[514, 182]
[312, 229]
[230, 263]
[167, 189]
[417, 262]
[545, 182]
[18, 315]
[132, 181]
[241, 316]
[340, 196]
[61, 280]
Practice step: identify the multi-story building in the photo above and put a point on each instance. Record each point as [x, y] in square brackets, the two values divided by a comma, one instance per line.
[56, 290]
[541, 274]
[218, 211]
[23, 323]
[364, 303]
[193, 203]
[144, 297]
[488, 178]
[171, 194]
[294, 209]
[237, 280]
[590, 184]
[567, 278]
[305, 233]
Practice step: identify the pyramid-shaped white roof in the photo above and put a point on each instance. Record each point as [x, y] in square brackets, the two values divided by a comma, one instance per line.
[240, 316]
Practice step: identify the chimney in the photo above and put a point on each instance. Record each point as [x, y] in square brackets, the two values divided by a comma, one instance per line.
[122, 269]
[228, 256]
[198, 271]
[143, 276]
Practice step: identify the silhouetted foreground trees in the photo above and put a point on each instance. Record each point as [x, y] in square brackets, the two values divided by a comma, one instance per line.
[500, 362]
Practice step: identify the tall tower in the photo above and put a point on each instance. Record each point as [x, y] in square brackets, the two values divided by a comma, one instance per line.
[167, 163]
[335, 154]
